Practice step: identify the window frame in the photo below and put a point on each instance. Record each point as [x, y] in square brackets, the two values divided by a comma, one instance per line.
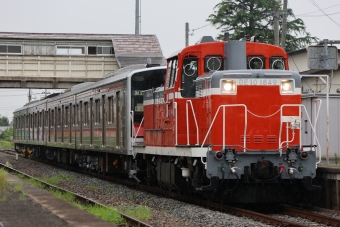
[97, 111]
[110, 110]
[69, 47]
[102, 47]
[8, 53]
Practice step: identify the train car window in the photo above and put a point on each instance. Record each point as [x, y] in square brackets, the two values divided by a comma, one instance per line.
[66, 114]
[97, 111]
[74, 115]
[277, 63]
[173, 73]
[190, 73]
[140, 82]
[46, 119]
[110, 110]
[86, 113]
[36, 120]
[213, 63]
[52, 118]
[168, 74]
[256, 62]
[59, 117]
[40, 119]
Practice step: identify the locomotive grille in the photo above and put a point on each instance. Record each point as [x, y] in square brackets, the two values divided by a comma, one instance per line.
[258, 139]
[247, 139]
[271, 139]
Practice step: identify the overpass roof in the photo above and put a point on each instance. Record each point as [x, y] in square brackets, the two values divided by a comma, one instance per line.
[129, 48]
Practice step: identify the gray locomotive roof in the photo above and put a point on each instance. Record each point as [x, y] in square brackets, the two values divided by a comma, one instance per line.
[129, 48]
[89, 86]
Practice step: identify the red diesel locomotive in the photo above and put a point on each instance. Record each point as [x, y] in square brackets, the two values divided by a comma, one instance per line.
[223, 120]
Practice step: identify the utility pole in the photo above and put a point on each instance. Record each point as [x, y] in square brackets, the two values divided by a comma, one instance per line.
[186, 34]
[284, 25]
[137, 18]
[276, 25]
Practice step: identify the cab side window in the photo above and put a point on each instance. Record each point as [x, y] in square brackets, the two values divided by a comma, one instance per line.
[189, 74]
[171, 73]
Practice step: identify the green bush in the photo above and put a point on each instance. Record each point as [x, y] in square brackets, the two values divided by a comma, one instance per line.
[6, 144]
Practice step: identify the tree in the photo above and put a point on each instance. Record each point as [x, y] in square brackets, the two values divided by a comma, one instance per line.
[4, 121]
[6, 135]
[255, 18]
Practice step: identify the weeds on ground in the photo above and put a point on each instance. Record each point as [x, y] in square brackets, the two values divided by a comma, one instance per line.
[18, 187]
[22, 197]
[3, 179]
[141, 212]
[8, 164]
[92, 186]
[132, 196]
[4, 189]
[107, 214]
[6, 144]
[110, 191]
[55, 180]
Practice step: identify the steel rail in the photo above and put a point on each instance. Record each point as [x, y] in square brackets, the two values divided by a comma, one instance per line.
[319, 218]
[130, 220]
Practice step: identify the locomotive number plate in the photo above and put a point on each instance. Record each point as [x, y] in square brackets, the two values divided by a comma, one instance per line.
[258, 82]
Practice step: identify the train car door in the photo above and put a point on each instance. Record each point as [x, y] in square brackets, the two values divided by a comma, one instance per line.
[169, 99]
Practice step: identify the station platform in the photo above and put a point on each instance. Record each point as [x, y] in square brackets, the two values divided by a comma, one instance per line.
[37, 207]
[328, 177]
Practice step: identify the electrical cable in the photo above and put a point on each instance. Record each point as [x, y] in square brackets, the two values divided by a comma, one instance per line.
[320, 15]
[317, 6]
[317, 10]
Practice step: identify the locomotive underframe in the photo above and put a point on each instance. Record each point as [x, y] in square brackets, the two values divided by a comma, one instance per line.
[190, 175]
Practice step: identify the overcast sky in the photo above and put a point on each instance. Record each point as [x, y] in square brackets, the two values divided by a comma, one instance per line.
[166, 19]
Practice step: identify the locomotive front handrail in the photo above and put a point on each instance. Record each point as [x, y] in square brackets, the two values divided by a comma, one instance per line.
[245, 124]
[187, 119]
[313, 128]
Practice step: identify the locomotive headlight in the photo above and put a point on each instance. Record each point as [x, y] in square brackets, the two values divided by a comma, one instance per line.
[228, 87]
[287, 87]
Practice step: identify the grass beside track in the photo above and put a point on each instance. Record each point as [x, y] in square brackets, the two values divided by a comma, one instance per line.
[109, 214]
[6, 144]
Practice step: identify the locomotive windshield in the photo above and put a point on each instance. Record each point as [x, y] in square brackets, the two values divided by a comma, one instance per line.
[140, 82]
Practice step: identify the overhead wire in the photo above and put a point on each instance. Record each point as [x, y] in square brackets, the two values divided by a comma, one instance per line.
[318, 15]
[317, 11]
[317, 6]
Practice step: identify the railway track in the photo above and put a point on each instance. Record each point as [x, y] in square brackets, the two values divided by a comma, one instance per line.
[323, 219]
[218, 207]
[129, 220]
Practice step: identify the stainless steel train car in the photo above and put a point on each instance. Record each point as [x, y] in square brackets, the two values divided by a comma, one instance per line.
[92, 125]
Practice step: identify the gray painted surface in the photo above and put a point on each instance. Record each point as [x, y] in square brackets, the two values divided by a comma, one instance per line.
[334, 124]
[236, 55]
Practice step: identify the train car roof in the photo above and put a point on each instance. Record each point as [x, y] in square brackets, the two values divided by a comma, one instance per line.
[90, 85]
